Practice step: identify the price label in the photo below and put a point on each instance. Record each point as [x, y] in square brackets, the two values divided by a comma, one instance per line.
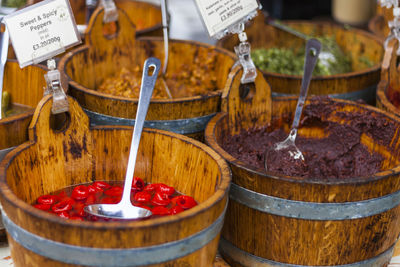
[41, 31]
[218, 15]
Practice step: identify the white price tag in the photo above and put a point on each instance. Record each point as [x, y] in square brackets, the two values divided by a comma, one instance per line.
[41, 31]
[218, 15]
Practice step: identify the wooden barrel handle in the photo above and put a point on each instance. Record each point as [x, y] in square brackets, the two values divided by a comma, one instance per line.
[76, 128]
[390, 70]
[96, 36]
[247, 105]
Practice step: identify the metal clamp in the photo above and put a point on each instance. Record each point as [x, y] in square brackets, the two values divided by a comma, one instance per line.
[389, 3]
[243, 52]
[53, 81]
[110, 11]
[394, 25]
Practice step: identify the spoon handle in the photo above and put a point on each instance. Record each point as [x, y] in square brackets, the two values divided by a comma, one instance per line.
[3, 59]
[164, 16]
[313, 47]
[283, 27]
[146, 90]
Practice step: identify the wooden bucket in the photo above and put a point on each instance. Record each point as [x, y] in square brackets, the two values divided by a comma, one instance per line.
[146, 16]
[378, 25]
[52, 160]
[359, 84]
[26, 89]
[86, 67]
[390, 79]
[279, 220]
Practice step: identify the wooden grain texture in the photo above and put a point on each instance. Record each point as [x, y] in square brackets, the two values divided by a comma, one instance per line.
[26, 89]
[146, 16]
[390, 79]
[52, 160]
[357, 43]
[86, 67]
[306, 242]
[378, 25]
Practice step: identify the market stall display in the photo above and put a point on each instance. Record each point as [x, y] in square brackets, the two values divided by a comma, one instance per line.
[364, 50]
[276, 218]
[195, 75]
[79, 154]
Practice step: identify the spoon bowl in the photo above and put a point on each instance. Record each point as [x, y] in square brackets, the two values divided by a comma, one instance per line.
[287, 149]
[124, 210]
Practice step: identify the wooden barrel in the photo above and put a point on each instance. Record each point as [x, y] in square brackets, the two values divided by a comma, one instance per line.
[146, 16]
[86, 67]
[26, 89]
[77, 153]
[378, 25]
[360, 45]
[275, 220]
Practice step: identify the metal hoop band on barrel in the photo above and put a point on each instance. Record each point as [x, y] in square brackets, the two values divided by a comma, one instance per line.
[4, 152]
[113, 257]
[313, 210]
[247, 259]
[367, 94]
[182, 126]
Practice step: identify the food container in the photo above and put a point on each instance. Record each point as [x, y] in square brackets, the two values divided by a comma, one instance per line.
[25, 87]
[77, 153]
[277, 220]
[86, 67]
[378, 25]
[362, 46]
[146, 16]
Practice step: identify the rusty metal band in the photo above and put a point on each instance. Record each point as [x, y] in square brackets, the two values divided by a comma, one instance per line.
[246, 259]
[181, 126]
[313, 210]
[101, 257]
[367, 94]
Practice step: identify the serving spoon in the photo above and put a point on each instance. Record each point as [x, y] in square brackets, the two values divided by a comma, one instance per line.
[313, 48]
[124, 209]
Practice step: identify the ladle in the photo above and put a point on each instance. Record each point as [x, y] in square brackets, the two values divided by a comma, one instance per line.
[313, 48]
[124, 209]
[3, 59]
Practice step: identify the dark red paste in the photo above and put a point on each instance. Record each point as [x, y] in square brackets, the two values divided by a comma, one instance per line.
[339, 155]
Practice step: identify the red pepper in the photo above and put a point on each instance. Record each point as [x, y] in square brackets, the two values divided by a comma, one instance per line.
[137, 184]
[44, 207]
[64, 205]
[101, 185]
[77, 218]
[115, 191]
[160, 210]
[93, 189]
[150, 187]
[47, 199]
[79, 208]
[160, 199]
[175, 210]
[165, 189]
[64, 214]
[185, 202]
[80, 192]
[143, 197]
[110, 200]
[90, 200]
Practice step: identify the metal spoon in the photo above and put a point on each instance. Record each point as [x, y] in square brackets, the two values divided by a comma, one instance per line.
[124, 209]
[3, 59]
[166, 39]
[313, 48]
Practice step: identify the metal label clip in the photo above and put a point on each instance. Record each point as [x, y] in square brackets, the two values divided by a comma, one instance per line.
[53, 81]
[243, 52]
[110, 11]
